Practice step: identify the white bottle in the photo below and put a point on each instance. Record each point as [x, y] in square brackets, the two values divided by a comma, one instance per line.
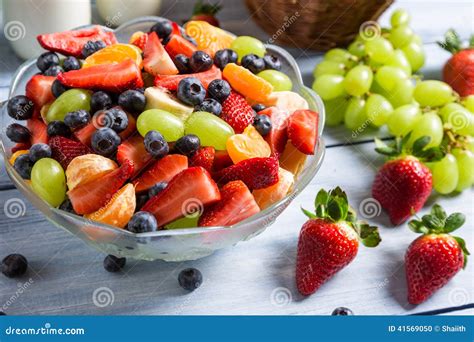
[116, 12]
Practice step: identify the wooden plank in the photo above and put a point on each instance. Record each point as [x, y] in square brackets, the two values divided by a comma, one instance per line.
[255, 277]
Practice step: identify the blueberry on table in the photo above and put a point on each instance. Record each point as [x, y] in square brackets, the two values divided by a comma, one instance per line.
[58, 128]
[163, 28]
[14, 265]
[53, 70]
[182, 63]
[116, 119]
[190, 91]
[342, 311]
[272, 62]
[200, 61]
[47, 60]
[100, 100]
[156, 189]
[155, 144]
[39, 151]
[219, 90]
[132, 100]
[77, 119]
[190, 279]
[18, 133]
[20, 107]
[258, 107]
[142, 222]
[224, 57]
[187, 145]
[57, 88]
[252, 62]
[71, 63]
[113, 264]
[210, 106]
[262, 124]
[23, 166]
[105, 141]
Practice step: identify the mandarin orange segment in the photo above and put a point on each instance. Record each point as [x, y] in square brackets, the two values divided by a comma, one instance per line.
[249, 144]
[17, 154]
[119, 210]
[113, 54]
[292, 160]
[267, 196]
[208, 37]
[247, 83]
[86, 168]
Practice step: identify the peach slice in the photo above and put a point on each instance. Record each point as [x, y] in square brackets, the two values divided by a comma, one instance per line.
[249, 144]
[86, 168]
[267, 196]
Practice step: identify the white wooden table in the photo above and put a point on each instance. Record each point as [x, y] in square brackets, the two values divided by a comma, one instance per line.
[255, 277]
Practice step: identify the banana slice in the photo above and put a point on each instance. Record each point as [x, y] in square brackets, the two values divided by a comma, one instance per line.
[159, 98]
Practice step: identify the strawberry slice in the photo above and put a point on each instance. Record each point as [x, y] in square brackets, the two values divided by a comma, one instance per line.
[237, 112]
[70, 43]
[162, 170]
[109, 77]
[156, 60]
[64, 150]
[236, 204]
[176, 30]
[38, 130]
[20, 146]
[38, 89]
[187, 193]
[170, 82]
[221, 161]
[303, 130]
[84, 134]
[256, 173]
[179, 45]
[278, 136]
[133, 150]
[204, 157]
[139, 39]
[91, 196]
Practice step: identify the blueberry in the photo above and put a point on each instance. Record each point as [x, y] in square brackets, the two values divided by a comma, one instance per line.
[272, 62]
[67, 206]
[23, 166]
[254, 63]
[100, 100]
[113, 264]
[116, 119]
[57, 88]
[258, 107]
[156, 189]
[90, 47]
[182, 63]
[18, 133]
[224, 57]
[47, 60]
[191, 91]
[262, 124]
[57, 127]
[14, 265]
[142, 222]
[20, 107]
[163, 28]
[156, 144]
[342, 311]
[38, 151]
[187, 145]
[77, 119]
[105, 141]
[53, 70]
[190, 279]
[219, 90]
[132, 100]
[209, 105]
[99, 45]
[71, 63]
[200, 61]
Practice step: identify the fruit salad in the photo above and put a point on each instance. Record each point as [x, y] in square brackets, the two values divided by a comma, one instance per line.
[176, 128]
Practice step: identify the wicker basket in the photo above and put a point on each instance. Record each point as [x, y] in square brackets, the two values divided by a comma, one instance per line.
[314, 24]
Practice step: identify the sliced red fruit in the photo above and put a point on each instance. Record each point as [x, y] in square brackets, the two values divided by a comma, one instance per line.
[156, 60]
[38, 130]
[237, 112]
[162, 170]
[221, 160]
[109, 77]
[133, 150]
[303, 130]
[84, 134]
[170, 82]
[91, 196]
[20, 147]
[180, 45]
[236, 204]
[189, 191]
[70, 43]
[204, 157]
[131, 128]
[64, 150]
[176, 30]
[139, 39]
[278, 136]
[38, 89]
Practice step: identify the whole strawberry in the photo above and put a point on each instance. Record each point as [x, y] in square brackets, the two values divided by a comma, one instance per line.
[458, 71]
[329, 241]
[404, 183]
[206, 12]
[436, 256]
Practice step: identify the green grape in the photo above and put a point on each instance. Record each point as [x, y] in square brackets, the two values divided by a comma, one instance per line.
[335, 110]
[357, 48]
[459, 118]
[69, 101]
[445, 174]
[355, 115]
[399, 17]
[415, 55]
[401, 36]
[49, 181]
[465, 161]
[329, 67]
[329, 86]
[341, 56]
[403, 119]
[402, 93]
[358, 80]
[468, 102]
[470, 143]
[428, 124]
[379, 49]
[245, 45]
[169, 125]
[388, 76]
[373, 64]
[417, 39]
[433, 93]
[184, 222]
[399, 60]
[211, 130]
[378, 109]
[279, 80]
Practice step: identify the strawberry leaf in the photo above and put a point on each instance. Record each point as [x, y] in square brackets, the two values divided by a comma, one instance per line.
[452, 43]
[321, 198]
[308, 213]
[420, 144]
[453, 222]
[369, 235]
[417, 227]
[439, 212]
[471, 41]
[432, 222]
[463, 246]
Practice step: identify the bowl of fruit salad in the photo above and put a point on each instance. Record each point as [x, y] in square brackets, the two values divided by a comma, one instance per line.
[154, 141]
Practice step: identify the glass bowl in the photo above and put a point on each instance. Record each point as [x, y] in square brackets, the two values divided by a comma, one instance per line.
[176, 244]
